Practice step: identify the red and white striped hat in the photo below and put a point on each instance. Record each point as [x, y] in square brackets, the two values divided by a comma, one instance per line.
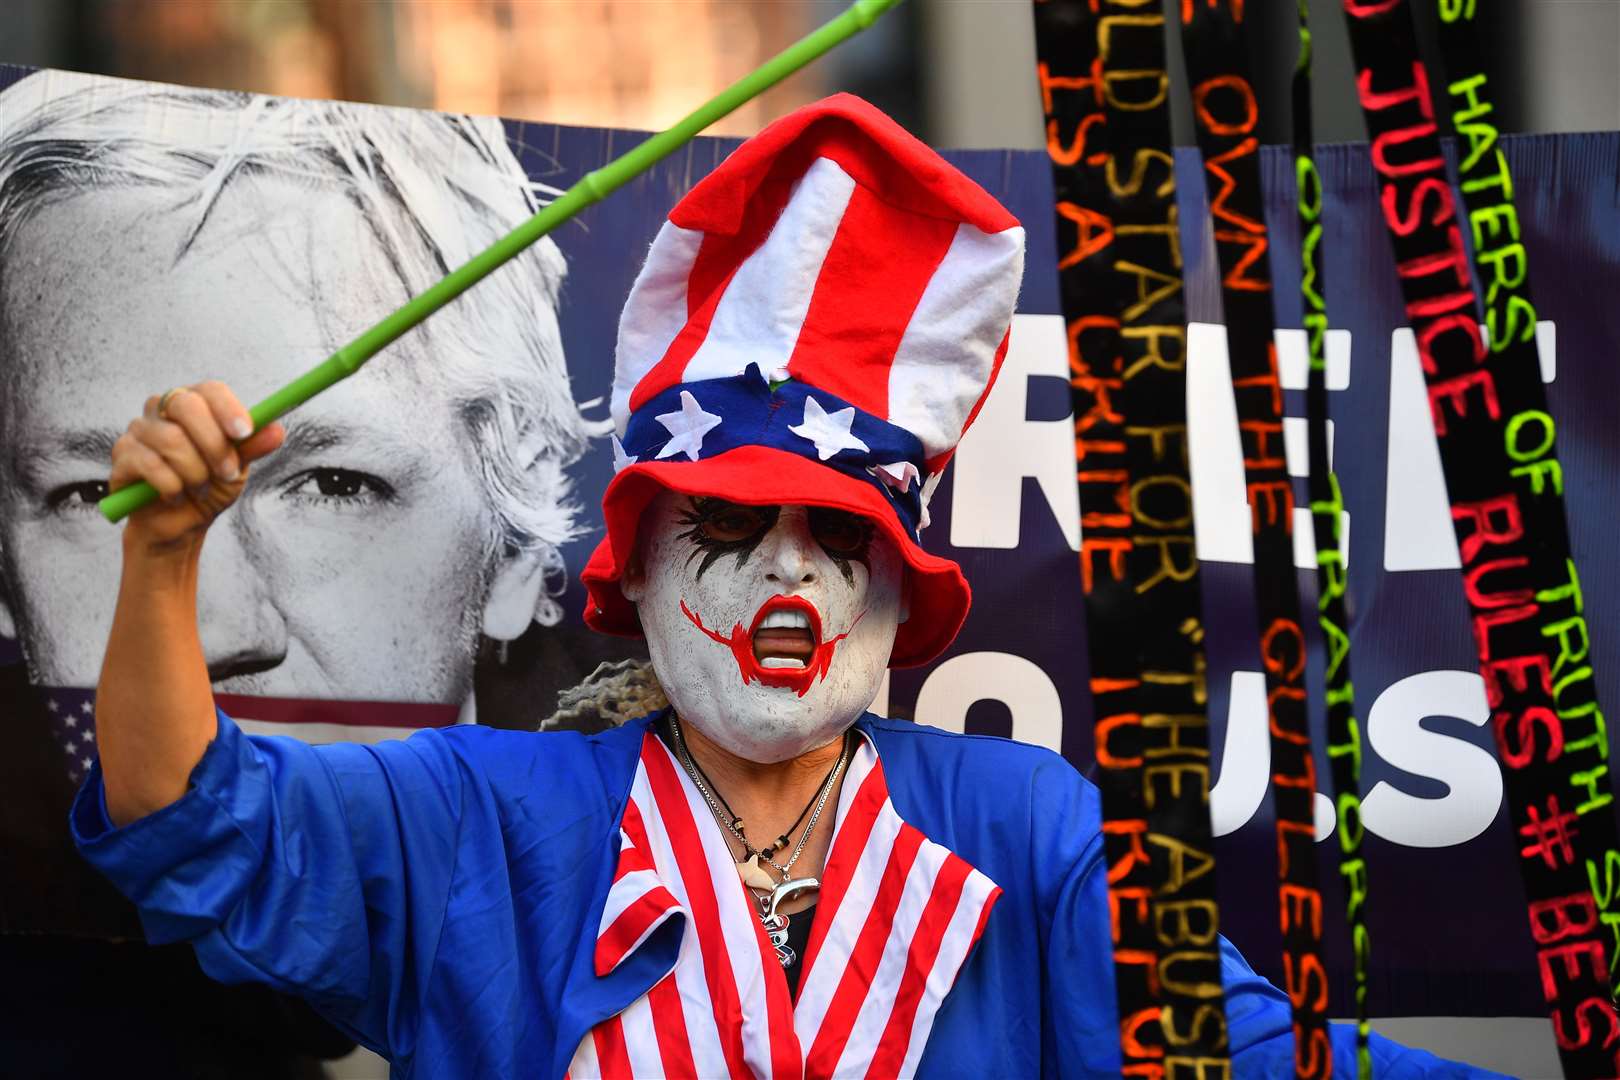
[817, 323]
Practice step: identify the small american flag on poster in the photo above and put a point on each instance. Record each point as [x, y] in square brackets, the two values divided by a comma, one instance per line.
[73, 721]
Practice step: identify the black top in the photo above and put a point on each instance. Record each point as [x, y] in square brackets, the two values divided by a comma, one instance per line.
[798, 929]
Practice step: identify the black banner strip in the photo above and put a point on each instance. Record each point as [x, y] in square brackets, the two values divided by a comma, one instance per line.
[1105, 90]
[1226, 115]
[1327, 508]
[1503, 478]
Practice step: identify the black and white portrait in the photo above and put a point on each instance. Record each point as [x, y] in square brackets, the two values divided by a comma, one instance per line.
[152, 236]
[413, 528]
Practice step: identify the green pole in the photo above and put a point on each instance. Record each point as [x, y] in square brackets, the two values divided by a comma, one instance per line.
[591, 188]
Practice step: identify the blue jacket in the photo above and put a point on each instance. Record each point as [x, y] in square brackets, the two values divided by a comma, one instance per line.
[439, 897]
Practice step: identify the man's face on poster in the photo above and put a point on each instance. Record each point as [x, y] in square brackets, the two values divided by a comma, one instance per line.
[359, 563]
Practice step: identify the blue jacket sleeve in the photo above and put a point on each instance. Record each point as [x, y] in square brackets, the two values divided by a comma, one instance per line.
[1261, 1032]
[322, 871]
[1078, 967]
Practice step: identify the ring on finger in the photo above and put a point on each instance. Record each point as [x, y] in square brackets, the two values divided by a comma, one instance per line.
[168, 398]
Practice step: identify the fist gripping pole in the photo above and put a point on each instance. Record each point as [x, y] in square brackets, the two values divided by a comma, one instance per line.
[592, 188]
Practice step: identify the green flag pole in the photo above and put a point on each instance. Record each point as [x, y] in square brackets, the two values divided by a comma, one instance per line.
[592, 188]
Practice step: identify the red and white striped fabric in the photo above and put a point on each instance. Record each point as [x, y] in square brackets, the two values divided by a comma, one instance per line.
[897, 917]
[835, 249]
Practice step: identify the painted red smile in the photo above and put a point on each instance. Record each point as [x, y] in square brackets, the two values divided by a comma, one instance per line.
[788, 653]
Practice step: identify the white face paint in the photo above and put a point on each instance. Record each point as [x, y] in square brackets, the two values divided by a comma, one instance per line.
[769, 627]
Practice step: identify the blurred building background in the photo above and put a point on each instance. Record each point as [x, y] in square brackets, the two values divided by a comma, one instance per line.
[957, 72]
[634, 64]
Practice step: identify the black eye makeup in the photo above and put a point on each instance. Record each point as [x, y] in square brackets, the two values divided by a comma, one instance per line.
[845, 537]
[717, 528]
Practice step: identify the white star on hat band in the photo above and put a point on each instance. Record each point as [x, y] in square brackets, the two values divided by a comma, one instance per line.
[748, 411]
[686, 428]
[828, 431]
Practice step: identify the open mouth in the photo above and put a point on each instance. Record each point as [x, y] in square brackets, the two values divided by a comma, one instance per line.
[784, 648]
[785, 633]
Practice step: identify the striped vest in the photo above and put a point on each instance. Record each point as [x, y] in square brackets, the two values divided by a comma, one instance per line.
[897, 917]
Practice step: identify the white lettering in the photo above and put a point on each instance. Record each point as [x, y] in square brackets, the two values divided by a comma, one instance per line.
[1003, 447]
[1220, 501]
[1245, 764]
[1395, 731]
[1417, 516]
[963, 681]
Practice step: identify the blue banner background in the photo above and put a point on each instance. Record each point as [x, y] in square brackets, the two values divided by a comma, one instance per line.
[1448, 925]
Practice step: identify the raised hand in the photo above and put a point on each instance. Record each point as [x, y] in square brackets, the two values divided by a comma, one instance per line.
[193, 444]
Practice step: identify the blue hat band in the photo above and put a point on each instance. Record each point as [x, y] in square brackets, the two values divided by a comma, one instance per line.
[697, 420]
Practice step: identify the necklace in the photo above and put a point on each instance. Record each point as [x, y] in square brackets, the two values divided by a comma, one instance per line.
[768, 894]
[732, 822]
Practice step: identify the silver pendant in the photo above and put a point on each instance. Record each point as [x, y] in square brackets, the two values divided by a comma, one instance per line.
[775, 922]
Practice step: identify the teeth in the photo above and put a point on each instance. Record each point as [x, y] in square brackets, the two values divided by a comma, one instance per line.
[781, 662]
[786, 620]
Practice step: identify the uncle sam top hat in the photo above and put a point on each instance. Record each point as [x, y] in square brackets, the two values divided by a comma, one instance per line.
[817, 323]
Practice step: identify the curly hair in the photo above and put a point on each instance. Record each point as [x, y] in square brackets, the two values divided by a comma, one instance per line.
[615, 693]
